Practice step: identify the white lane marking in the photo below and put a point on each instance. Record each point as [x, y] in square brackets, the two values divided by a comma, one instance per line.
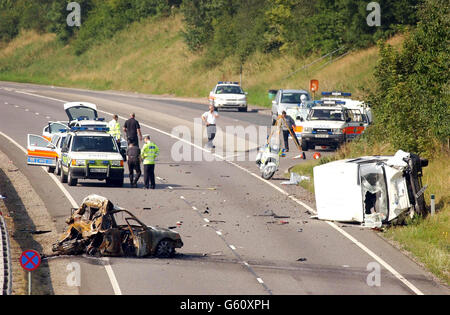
[27, 110]
[194, 208]
[108, 267]
[170, 187]
[206, 220]
[232, 247]
[348, 236]
[378, 259]
[245, 263]
[16, 106]
[182, 197]
[112, 278]
[219, 233]
[260, 280]
[37, 114]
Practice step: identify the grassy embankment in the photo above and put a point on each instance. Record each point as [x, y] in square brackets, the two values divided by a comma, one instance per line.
[151, 57]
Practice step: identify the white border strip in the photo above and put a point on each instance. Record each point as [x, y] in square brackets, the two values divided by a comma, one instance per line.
[348, 236]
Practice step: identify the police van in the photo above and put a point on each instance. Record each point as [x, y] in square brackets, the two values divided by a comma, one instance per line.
[228, 95]
[86, 153]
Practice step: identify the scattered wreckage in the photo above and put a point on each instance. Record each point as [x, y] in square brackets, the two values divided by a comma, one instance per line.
[373, 190]
[93, 229]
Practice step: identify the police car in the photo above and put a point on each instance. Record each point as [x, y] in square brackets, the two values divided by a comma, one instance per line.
[359, 108]
[228, 95]
[86, 153]
[82, 114]
[329, 125]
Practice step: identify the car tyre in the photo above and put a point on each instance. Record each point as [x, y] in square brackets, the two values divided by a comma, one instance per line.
[305, 146]
[63, 177]
[165, 249]
[50, 169]
[71, 181]
[58, 168]
[245, 109]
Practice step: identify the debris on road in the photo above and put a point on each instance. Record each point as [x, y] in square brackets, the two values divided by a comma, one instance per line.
[93, 229]
[302, 259]
[295, 179]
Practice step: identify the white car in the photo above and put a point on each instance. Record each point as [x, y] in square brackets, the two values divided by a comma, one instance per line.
[371, 190]
[85, 154]
[228, 95]
[289, 100]
[366, 111]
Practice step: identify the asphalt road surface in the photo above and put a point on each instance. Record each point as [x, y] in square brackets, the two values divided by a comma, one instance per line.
[229, 249]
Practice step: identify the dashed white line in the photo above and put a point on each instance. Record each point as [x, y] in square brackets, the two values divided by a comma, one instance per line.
[232, 247]
[219, 233]
[194, 208]
[206, 220]
[260, 280]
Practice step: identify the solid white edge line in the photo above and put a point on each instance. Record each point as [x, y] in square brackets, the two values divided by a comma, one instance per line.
[109, 270]
[348, 236]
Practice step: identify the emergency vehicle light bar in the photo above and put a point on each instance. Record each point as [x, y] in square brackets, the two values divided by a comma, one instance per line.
[228, 82]
[336, 94]
[333, 102]
[100, 119]
[74, 129]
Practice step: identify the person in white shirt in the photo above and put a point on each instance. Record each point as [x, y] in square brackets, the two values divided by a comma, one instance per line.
[210, 120]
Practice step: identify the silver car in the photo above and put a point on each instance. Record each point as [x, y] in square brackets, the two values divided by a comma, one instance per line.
[286, 99]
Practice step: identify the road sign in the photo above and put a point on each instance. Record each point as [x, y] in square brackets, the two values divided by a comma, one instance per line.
[30, 260]
[314, 85]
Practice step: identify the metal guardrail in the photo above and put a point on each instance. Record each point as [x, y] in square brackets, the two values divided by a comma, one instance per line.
[5, 260]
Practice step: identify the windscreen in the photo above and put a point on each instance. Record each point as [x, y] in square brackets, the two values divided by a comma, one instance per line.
[374, 191]
[94, 144]
[229, 89]
[326, 114]
[292, 98]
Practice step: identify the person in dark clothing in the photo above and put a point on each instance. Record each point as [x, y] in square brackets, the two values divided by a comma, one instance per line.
[134, 163]
[132, 130]
[288, 124]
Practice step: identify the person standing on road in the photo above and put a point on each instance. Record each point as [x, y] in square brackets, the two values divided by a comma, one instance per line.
[210, 118]
[132, 130]
[114, 128]
[288, 126]
[149, 153]
[134, 164]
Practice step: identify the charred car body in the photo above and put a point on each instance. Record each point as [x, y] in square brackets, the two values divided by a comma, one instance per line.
[93, 229]
[372, 190]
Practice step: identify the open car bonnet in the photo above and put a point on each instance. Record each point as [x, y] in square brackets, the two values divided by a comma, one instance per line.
[81, 111]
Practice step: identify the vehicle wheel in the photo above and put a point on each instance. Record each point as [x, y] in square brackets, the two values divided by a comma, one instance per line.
[58, 168]
[71, 181]
[50, 169]
[267, 173]
[305, 146]
[165, 249]
[118, 182]
[243, 109]
[63, 177]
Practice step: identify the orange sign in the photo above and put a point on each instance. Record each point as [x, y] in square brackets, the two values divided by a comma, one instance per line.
[314, 85]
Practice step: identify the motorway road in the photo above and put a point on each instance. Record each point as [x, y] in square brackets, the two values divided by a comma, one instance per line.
[230, 250]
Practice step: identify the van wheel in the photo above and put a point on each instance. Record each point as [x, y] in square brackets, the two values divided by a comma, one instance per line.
[63, 177]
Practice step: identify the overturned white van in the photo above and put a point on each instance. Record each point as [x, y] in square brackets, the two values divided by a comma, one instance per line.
[371, 190]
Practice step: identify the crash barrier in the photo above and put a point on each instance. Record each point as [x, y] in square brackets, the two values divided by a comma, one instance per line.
[5, 260]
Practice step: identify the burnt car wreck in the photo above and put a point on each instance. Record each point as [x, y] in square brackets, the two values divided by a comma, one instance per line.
[372, 190]
[93, 229]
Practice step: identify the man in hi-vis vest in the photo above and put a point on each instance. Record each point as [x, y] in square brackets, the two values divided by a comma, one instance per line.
[114, 128]
[149, 153]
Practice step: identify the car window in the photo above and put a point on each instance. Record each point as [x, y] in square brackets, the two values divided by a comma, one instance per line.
[326, 114]
[36, 141]
[292, 98]
[56, 127]
[93, 144]
[229, 89]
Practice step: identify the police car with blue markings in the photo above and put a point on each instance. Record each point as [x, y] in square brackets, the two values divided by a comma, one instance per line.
[228, 95]
[358, 107]
[86, 153]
